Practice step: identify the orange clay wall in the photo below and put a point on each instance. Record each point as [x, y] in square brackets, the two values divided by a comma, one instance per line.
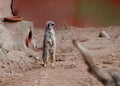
[40, 11]
[72, 12]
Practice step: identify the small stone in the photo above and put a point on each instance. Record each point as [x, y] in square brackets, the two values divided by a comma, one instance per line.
[104, 34]
[37, 58]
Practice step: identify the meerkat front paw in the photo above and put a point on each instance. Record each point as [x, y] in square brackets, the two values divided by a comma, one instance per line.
[50, 42]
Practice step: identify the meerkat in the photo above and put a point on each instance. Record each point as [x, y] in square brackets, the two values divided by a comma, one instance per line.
[49, 43]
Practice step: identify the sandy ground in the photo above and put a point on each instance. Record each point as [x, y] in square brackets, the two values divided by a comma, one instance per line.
[23, 68]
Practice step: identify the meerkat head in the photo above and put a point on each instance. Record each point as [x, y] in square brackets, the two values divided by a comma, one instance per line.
[50, 25]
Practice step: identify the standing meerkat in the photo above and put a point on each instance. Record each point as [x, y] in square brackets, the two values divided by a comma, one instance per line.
[49, 43]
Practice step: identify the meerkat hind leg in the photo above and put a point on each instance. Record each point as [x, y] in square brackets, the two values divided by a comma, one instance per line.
[45, 64]
[52, 59]
[45, 59]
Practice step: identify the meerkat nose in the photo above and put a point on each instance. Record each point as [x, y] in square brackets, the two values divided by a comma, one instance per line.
[50, 27]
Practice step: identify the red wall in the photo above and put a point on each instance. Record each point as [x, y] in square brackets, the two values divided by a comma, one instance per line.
[40, 11]
[71, 12]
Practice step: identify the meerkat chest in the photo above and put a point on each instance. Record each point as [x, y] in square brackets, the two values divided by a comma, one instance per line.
[50, 40]
[51, 34]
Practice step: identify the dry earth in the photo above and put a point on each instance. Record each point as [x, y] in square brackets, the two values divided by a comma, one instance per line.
[23, 68]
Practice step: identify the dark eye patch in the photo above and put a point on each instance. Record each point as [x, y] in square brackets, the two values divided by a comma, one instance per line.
[48, 25]
[52, 24]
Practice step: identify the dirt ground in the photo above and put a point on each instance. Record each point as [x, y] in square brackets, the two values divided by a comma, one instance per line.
[24, 68]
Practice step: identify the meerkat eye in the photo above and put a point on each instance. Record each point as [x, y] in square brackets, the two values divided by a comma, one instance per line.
[48, 25]
[52, 24]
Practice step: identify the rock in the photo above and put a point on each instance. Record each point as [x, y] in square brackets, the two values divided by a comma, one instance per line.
[37, 58]
[104, 34]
